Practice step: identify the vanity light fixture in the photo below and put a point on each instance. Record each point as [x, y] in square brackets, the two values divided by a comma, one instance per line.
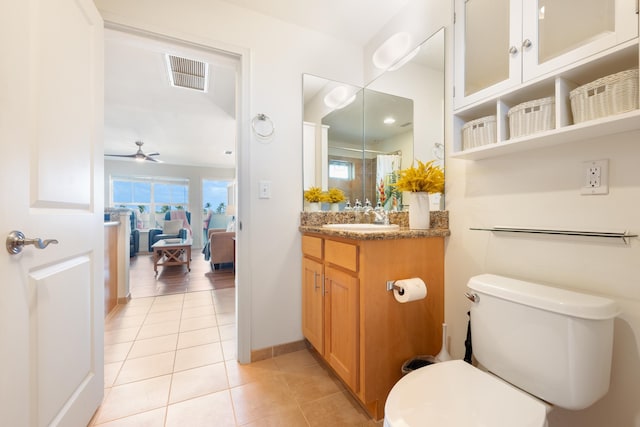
[389, 52]
[338, 98]
[408, 57]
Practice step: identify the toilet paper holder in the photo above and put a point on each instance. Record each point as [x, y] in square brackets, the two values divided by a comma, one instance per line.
[391, 285]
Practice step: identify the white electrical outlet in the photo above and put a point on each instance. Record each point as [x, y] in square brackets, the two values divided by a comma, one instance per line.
[596, 177]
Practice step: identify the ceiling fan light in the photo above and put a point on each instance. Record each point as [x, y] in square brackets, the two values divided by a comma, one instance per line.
[389, 52]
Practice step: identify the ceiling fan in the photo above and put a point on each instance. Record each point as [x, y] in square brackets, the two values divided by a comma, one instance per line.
[138, 155]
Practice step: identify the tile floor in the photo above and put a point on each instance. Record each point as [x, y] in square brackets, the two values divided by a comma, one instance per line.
[170, 361]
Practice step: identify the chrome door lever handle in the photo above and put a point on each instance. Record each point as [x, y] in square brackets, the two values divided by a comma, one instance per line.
[16, 241]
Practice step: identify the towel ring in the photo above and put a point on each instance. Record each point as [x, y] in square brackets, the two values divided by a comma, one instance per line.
[262, 126]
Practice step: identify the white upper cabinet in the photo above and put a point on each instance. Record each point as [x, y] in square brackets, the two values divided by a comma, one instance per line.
[500, 44]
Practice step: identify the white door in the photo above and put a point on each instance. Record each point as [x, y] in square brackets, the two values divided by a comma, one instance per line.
[51, 300]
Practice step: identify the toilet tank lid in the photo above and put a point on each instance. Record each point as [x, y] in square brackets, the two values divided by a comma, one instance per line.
[544, 297]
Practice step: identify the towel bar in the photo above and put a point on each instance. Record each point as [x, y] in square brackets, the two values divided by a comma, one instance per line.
[612, 235]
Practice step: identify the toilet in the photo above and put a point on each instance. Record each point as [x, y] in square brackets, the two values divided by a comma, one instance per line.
[541, 347]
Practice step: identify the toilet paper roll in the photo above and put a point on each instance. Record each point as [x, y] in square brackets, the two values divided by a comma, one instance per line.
[407, 290]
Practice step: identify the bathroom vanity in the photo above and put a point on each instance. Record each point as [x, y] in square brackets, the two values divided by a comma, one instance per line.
[352, 320]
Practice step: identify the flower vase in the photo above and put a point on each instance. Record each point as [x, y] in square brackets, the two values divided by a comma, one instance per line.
[419, 213]
[335, 207]
[314, 206]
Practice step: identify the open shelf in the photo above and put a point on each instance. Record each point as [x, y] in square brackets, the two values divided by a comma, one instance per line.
[620, 123]
[558, 84]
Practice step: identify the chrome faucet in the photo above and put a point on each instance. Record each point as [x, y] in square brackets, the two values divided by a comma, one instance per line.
[380, 215]
[375, 216]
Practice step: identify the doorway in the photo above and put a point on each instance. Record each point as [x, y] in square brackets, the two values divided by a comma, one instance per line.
[177, 144]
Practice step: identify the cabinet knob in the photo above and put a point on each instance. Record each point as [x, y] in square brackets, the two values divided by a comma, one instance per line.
[526, 44]
[513, 50]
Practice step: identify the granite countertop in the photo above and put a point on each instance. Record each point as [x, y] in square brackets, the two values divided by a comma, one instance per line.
[311, 222]
[402, 233]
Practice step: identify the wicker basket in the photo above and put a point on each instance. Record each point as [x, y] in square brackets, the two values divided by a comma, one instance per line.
[532, 116]
[479, 132]
[606, 96]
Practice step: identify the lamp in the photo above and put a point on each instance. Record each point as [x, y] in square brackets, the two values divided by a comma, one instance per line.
[231, 210]
[394, 48]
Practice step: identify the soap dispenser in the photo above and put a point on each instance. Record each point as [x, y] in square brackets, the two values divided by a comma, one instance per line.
[357, 209]
[347, 206]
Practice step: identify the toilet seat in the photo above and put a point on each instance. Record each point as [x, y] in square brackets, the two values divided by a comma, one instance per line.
[455, 394]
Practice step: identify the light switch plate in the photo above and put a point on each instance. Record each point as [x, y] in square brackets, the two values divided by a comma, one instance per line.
[264, 189]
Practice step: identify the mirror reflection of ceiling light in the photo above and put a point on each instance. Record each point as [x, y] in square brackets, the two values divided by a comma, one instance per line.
[394, 48]
[389, 121]
[338, 98]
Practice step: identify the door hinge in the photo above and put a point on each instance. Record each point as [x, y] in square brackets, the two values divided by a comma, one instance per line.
[454, 18]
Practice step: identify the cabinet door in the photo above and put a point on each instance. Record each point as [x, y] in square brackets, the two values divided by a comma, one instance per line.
[561, 32]
[488, 35]
[312, 297]
[341, 325]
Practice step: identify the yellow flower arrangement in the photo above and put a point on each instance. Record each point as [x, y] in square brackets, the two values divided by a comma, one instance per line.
[313, 195]
[334, 195]
[426, 177]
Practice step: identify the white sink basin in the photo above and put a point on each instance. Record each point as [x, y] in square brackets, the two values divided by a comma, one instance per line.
[363, 228]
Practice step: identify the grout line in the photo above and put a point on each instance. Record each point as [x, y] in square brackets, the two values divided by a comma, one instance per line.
[173, 369]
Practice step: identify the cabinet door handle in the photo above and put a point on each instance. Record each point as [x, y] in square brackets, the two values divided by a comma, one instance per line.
[513, 50]
[324, 285]
[315, 280]
[526, 44]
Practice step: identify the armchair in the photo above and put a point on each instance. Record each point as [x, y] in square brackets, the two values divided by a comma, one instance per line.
[134, 239]
[221, 247]
[157, 234]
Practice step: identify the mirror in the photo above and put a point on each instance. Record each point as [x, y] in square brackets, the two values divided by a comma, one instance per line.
[348, 145]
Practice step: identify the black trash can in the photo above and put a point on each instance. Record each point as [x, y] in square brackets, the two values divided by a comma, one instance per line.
[417, 362]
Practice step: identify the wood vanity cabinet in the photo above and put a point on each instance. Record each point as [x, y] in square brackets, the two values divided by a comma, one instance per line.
[363, 334]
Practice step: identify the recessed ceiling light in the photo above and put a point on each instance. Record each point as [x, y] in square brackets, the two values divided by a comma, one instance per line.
[389, 121]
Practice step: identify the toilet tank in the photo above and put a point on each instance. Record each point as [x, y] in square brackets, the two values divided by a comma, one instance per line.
[553, 343]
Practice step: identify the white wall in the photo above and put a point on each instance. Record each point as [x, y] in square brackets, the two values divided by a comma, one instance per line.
[279, 54]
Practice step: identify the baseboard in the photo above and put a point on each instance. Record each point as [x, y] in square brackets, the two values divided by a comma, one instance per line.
[125, 299]
[278, 350]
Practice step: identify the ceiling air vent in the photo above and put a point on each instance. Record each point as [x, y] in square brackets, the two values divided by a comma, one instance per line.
[188, 73]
